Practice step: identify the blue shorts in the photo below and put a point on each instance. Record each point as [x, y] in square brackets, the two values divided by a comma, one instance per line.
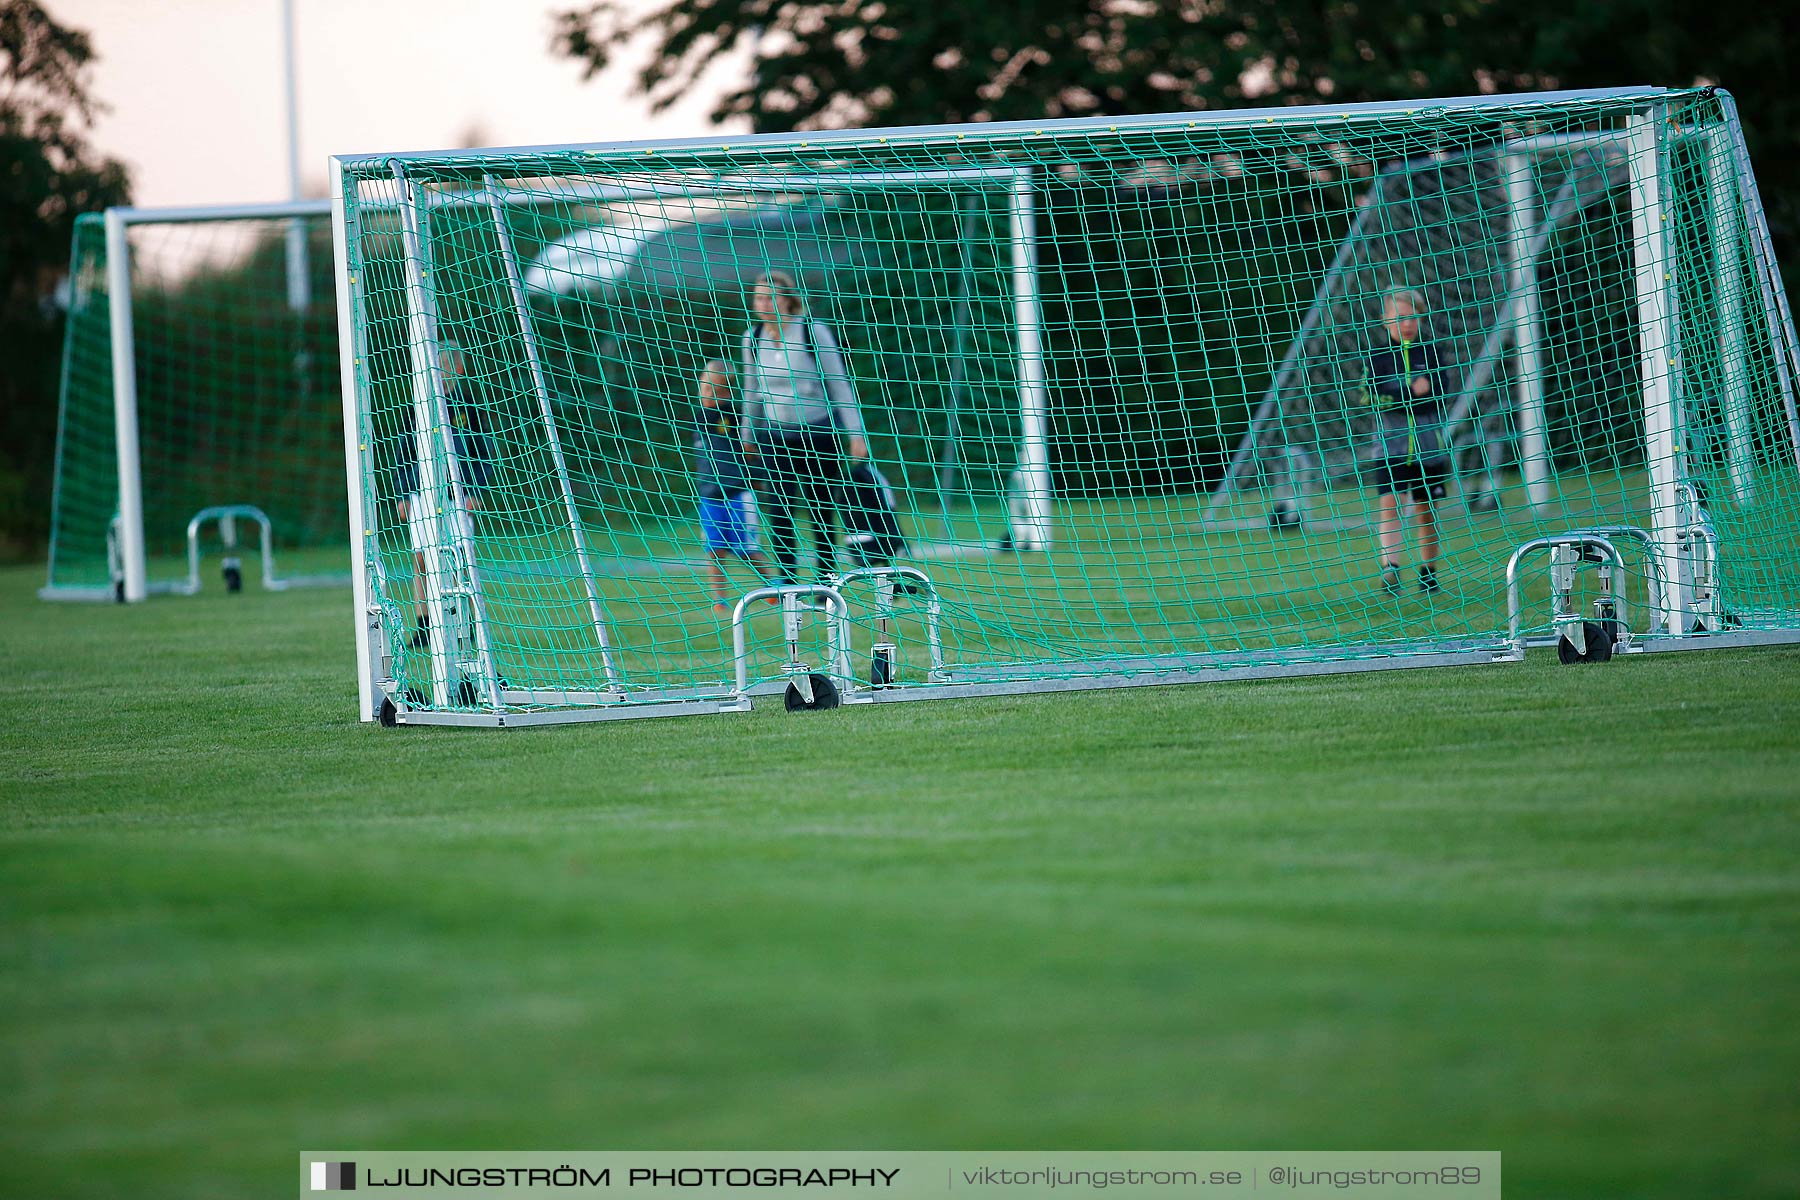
[726, 524]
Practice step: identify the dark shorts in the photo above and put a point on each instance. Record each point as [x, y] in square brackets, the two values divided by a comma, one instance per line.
[475, 458]
[1424, 480]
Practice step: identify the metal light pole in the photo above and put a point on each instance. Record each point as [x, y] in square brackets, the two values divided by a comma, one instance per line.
[299, 286]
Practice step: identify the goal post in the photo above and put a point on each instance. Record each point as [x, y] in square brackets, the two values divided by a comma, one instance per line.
[1456, 333]
[130, 540]
[196, 406]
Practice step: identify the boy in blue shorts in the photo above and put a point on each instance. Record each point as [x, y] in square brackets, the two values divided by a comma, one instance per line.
[727, 521]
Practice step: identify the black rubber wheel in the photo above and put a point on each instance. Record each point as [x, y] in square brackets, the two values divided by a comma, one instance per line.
[825, 695]
[466, 695]
[1566, 654]
[119, 592]
[234, 579]
[881, 668]
[1599, 642]
[390, 716]
[1606, 619]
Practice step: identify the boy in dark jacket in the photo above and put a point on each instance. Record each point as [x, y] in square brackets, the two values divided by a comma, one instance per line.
[1401, 383]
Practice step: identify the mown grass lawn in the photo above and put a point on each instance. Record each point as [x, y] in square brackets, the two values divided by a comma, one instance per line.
[1549, 911]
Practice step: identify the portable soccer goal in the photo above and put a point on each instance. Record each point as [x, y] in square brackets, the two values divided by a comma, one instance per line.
[1130, 397]
[200, 410]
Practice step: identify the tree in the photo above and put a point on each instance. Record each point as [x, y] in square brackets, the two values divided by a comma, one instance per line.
[900, 62]
[49, 174]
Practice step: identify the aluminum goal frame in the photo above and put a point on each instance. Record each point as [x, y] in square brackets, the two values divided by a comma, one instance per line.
[1031, 523]
[1664, 440]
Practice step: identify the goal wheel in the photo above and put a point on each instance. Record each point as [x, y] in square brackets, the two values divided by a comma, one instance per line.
[1599, 645]
[1600, 642]
[389, 715]
[825, 695]
[119, 592]
[234, 579]
[466, 695]
[881, 666]
[1606, 620]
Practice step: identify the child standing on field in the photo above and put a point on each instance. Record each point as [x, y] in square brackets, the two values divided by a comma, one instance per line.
[475, 462]
[727, 522]
[1411, 462]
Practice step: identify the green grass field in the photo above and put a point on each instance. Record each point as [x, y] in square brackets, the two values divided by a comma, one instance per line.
[1550, 911]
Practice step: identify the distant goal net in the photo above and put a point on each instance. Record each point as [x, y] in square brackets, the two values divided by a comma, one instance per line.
[200, 416]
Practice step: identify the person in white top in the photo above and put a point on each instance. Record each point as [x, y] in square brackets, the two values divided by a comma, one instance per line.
[800, 418]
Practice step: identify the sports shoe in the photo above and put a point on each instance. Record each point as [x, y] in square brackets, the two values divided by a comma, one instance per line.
[1390, 579]
[1428, 581]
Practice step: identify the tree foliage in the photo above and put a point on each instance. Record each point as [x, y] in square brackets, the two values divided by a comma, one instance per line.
[49, 174]
[835, 64]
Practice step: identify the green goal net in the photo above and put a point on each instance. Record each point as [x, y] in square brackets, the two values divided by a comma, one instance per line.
[201, 415]
[868, 416]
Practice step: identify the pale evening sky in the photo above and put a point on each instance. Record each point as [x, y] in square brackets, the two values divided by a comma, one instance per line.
[197, 100]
